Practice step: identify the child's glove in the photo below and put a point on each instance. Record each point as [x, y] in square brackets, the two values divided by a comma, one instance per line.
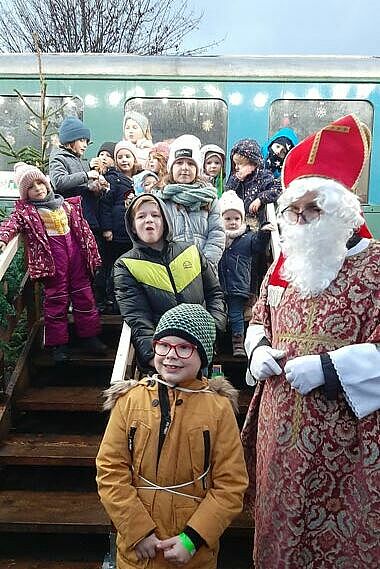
[304, 373]
[263, 363]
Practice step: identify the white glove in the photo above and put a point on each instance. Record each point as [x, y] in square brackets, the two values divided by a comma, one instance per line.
[263, 362]
[304, 373]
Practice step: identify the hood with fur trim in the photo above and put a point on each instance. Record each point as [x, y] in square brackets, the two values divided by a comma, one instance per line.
[219, 385]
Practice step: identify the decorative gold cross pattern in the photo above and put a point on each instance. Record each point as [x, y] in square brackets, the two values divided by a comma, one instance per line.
[306, 340]
[317, 139]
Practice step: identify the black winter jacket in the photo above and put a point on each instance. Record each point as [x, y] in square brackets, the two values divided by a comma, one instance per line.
[236, 262]
[112, 205]
[149, 282]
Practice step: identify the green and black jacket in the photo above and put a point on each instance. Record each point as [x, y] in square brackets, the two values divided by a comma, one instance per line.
[150, 282]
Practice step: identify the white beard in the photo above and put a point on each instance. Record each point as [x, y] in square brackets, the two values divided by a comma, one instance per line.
[314, 253]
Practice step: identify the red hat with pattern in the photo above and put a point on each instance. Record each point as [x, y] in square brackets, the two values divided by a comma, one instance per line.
[338, 151]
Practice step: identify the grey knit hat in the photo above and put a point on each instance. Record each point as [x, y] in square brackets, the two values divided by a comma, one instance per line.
[141, 120]
[192, 323]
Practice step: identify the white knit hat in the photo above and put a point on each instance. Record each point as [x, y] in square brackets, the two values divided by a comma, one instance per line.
[209, 150]
[186, 146]
[230, 200]
[125, 145]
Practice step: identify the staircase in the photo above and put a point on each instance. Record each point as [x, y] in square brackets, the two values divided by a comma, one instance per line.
[51, 517]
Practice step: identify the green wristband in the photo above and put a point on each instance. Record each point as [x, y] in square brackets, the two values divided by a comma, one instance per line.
[187, 543]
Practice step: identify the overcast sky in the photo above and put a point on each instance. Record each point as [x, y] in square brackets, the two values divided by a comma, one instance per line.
[259, 27]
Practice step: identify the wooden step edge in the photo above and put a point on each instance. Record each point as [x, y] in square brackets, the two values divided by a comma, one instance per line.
[28, 527]
[71, 407]
[59, 398]
[76, 358]
[29, 563]
[49, 450]
[52, 512]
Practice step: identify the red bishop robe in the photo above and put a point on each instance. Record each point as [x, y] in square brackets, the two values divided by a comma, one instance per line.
[314, 467]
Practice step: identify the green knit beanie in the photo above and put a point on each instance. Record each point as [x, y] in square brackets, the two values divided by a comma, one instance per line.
[192, 323]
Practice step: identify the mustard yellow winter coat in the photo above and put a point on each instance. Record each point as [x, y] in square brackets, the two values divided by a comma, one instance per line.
[192, 430]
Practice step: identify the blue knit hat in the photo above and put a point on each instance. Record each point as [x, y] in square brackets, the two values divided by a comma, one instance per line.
[192, 323]
[72, 129]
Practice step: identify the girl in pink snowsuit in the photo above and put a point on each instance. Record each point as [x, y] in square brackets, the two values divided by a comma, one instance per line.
[62, 251]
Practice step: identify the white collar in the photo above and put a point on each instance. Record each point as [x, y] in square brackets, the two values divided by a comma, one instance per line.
[359, 247]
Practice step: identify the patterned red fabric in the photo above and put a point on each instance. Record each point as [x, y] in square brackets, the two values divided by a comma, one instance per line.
[25, 220]
[314, 467]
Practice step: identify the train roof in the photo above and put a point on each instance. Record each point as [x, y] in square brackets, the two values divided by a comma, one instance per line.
[232, 67]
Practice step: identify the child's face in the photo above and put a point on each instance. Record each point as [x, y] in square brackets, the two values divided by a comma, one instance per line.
[148, 184]
[37, 191]
[106, 159]
[213, 166]
[172, 367]
[243, 166]
[279, 149]
[133, 131]
[232, 219]
[149, 225]
[125, 161]
[79, 146]
[153, 164]
[184, 171]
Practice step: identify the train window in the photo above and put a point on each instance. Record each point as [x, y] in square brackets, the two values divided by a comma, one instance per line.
[169, 118]
[308, 116]
[17, 122]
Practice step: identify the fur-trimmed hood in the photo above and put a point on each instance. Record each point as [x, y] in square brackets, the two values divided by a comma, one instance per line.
[219, 385]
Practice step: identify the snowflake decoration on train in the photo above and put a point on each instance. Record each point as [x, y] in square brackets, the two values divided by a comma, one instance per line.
[320, 112]
[207, 125]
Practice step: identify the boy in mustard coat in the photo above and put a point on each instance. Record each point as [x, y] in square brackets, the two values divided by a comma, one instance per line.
[171, 472]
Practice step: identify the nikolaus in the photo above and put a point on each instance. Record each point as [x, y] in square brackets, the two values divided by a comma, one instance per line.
[312, 430]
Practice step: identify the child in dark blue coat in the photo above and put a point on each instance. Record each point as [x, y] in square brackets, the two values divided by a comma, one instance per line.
[255, 185]
[242, 245]
[112, 216]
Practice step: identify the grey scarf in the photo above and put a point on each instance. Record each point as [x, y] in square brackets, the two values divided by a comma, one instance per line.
[51, 201]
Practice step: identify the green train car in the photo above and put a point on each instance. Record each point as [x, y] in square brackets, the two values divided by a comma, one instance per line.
[219, 99]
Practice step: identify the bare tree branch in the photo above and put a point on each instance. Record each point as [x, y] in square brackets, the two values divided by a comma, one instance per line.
[145, 27]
